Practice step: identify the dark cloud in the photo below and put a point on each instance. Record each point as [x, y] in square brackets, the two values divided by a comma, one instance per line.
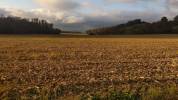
[59, 5]
[67, 5]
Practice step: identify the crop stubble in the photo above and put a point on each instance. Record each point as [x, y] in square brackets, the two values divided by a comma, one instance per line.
[87, 64]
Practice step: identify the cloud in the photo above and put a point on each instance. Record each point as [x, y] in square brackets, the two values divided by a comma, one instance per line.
[172, 4]
[53, 17]
[130, 1]
[73, 19]
[3, 12]
[122, 1]
[59, 5]
[82, 15]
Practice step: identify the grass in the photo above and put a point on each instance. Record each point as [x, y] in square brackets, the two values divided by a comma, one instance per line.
[88, 67]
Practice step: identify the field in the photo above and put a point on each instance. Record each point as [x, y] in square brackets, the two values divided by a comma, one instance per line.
[67, 68]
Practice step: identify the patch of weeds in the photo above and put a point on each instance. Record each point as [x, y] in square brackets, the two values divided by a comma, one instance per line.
[171, 92]
[114, 95]
[44, 94]
[3, 91]
[51, 95]
[59, 91]
[76, 89]
[153, 93]
[84, 97]
[56, 92]
[33, 93]
[164, 93]
[96, 97]
[13, 94]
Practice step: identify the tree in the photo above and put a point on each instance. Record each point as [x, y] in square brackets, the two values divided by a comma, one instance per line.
[176, 18]
[137, 26]
[164, 19]
[136, 21]
[17, 25]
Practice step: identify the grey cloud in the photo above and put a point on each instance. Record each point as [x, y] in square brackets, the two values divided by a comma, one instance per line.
[118, 16]
[109, 20]
[3, 12]
[130, 1]
[59, 5]
[68, 5]
[82, 21]
[172, 4]
[66, 14]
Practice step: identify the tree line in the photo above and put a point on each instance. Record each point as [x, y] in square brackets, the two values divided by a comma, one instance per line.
[137, 26]
[18, 25]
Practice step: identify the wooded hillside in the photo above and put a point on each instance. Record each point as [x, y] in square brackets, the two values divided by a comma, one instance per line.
[164, 26]
[18, 25]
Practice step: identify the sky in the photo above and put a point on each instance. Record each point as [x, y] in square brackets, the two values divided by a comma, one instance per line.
[80, 15]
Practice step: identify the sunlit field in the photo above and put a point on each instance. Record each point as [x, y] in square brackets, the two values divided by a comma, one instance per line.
[89, 67]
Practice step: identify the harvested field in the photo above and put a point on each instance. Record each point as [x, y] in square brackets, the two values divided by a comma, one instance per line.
[55, 68]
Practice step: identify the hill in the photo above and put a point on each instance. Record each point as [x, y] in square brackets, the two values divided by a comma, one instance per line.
[137, 26]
